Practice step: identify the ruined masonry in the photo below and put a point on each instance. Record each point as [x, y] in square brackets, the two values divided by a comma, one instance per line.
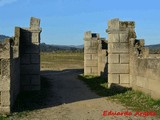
[19, 64]
[128, 62]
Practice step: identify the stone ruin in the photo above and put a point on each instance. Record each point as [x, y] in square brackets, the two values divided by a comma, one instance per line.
[19, 64]
[126, 61]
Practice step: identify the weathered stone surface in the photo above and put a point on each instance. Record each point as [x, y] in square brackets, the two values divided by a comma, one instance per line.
[113, 58]
[118, 68]
[118, 48]
[113, 38]
[113, 78]
[124, 38]
[124, 58]
[124, 78]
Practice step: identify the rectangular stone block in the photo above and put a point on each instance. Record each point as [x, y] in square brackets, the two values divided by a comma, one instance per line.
[113, 38]
[5, 101]
[35, 79]
[124, 78]
[5, 85]
[90, 50]
[113, 58]
[94, 70]
[87, 56]
[118, 48]
[30, 69]
[113, 78]
[30, 49]
[87, 70]
[35, 37]
[94, 56]
[124, 58]
[124, 38]
[25, 59]
[113, 24]
[25, 80]
[87, 43]
[5, 110]
[91, 63]
[118, 68]
[35, 58]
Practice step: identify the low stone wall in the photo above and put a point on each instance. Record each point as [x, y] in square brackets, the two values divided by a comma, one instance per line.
[144, 70]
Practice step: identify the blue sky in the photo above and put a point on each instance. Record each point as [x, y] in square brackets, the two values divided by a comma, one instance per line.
[65, 21]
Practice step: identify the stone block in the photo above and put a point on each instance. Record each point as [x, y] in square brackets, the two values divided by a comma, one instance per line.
[30, 49]
[25, 59]
[87, 70]
[124, 58]
[34, 23]
[90, 51]
[118, 68]
[35, 58]
[5, 110]
[35, 37]
[94, 70]
[113, 38]
[35, 79]
[5, 85]
[91, 63]
[155, 95]
[113, 78]
[87, 43]
[30, 69]
[118, 48]
[113, 24]
[25, 80]
[124, 38]
[124, 78]
[5, 101]
[94, 56]
[113, 58]
[87, 56]
[88, 35]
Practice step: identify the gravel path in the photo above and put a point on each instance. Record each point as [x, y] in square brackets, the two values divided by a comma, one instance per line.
[70, 99]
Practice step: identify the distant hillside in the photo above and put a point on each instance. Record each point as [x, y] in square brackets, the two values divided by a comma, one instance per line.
[2, 37]
[154, 48]
[52, 48]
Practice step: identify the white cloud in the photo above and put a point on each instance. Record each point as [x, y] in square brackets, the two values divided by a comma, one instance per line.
[4, 2]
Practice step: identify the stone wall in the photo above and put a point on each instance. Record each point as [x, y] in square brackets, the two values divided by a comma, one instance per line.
[129, 62]
[144, 69]
[19, 64]
[94, 55]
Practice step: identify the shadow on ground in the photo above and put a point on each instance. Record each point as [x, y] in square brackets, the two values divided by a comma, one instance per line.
[61, 87]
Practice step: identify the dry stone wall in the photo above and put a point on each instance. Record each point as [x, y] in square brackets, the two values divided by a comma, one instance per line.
[19, 64]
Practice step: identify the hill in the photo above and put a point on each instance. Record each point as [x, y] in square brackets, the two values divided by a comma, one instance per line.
[154, 48]
[2, 37]
[52, 48]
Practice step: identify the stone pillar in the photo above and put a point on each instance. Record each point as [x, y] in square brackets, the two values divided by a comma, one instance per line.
[5, 77]
[119, 33]
[30, 56]
[91, 53]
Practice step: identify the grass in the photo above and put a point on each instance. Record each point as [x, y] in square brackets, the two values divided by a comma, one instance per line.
[62, 60]
[134, 100]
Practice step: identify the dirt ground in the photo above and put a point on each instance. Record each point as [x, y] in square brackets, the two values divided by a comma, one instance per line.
[70, 99]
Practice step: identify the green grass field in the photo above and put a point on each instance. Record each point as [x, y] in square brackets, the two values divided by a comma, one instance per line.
[62, 60]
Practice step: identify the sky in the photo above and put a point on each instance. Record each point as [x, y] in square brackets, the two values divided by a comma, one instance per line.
[64, 22]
